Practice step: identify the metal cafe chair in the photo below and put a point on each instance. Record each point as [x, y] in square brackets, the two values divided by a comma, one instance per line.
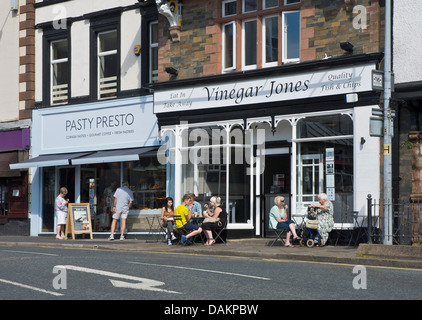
[278, 234]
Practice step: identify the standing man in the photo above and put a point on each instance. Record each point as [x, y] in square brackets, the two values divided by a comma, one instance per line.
[123, 198]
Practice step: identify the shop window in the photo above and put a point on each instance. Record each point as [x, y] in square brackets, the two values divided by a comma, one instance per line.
[280, 29]
[59, 71]
[153, 56]
[325, 161]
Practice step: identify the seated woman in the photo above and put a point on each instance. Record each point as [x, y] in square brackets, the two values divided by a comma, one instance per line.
[219, 214]
[325, 216]
[167, 218]
[279, 220]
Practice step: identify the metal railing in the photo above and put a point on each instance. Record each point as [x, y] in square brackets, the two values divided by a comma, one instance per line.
[406, 222]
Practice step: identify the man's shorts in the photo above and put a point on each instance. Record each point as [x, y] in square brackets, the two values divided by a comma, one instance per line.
[190, 226]
[120, 214]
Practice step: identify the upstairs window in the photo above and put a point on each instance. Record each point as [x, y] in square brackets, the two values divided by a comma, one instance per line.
[268, 27]
[153, 55]
[59, 63]
[108, 64]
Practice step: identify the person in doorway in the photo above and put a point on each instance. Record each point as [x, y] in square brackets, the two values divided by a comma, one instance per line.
[60, 210]
[325, 216]
[279, 220]
[219, 219]
[183, 223]
[167, 218]
[123, 199]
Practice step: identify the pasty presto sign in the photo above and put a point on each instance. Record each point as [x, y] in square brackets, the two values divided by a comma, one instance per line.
[262, 90]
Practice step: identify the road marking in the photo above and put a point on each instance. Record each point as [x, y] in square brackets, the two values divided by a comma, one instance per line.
[142, 283]
[40, 253]
[203, 270]
[31, 287]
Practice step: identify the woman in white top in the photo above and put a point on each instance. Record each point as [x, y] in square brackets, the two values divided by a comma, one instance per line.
[60, 209]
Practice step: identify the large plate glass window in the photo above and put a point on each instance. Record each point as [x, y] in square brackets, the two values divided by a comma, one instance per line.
[325, 161]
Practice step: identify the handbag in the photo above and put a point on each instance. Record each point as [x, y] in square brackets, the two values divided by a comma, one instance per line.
[206, 220]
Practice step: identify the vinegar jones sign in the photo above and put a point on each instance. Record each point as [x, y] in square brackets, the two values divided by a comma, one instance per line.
[281, 88]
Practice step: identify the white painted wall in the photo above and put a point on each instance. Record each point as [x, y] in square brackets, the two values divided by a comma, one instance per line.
[80, 43]
[9, 63]
[366, 160]
[407, 45]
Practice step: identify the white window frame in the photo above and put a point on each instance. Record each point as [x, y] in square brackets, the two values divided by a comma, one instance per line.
[244, 5]
[224, 12]
[56, 92]
[284, 58]
[111, 85]
[153, 74]
[252, 66]
[289, 4]
[233, 67]
[264, 47]
[264, 5]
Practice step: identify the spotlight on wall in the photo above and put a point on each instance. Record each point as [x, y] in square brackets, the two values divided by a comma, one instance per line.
[347, 46]
[171, 70]
[362, 140]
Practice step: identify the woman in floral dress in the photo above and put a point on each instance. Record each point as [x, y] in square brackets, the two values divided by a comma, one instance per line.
[325, 216]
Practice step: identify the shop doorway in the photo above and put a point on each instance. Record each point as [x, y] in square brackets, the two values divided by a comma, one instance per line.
[89, 189]
[66, 178]
[275, 182]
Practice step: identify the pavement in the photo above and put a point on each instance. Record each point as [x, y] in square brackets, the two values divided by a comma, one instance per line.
[398, 256]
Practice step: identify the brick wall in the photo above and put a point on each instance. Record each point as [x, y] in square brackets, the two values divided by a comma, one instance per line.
[324, 25]
[27, 58]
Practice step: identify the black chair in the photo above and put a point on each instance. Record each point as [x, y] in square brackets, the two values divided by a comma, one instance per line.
[278, 234]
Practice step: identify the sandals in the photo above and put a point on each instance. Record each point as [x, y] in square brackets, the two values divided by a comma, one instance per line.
[209, 244]
[289, 245]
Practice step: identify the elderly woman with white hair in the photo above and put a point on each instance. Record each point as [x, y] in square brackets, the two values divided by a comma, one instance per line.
[325, 216]
[279, 220]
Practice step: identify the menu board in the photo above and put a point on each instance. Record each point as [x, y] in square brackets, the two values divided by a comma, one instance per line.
[78, 219]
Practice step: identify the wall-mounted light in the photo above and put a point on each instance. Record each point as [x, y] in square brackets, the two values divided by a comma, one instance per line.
[14, 5]
[347, 46]
[362, 140]
[171, 70]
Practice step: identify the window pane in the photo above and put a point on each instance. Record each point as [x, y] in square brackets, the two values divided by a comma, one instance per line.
[270, 4]
[292, 35]
[336, 125]
[229, 8]
[250, 5]
[228, 46]
[107, 41]
[154, 64]
[108, 76]
[59, 49]
[154, 32]
[271, 39]
[291, 1]
[250, 43]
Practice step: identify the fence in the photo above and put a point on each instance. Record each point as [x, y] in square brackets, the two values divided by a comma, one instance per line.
[404, 229]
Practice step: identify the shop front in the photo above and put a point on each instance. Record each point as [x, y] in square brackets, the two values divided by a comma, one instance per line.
[296, 131]
[91, 149]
